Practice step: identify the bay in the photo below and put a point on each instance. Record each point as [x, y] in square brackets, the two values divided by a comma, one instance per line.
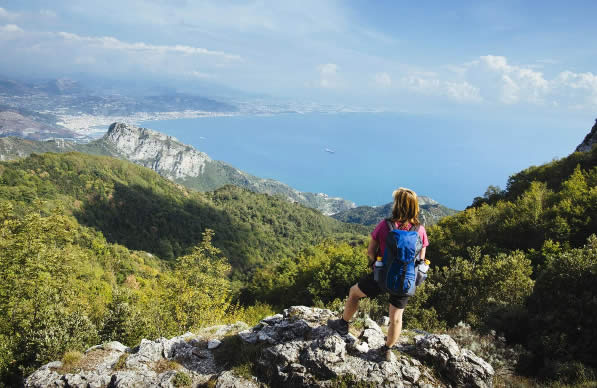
[363, 157]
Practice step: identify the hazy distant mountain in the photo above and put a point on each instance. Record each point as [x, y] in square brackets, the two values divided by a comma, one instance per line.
[13, 123]
[431, 212]
[174, 160]
[589, 140]
[66, 96]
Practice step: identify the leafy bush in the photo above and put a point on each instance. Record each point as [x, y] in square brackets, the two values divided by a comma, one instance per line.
[319, 273]
[199, 291]
[562, 306]
[470, 288]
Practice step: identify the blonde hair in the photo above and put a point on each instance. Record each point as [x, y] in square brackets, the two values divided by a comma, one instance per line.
[406, 206]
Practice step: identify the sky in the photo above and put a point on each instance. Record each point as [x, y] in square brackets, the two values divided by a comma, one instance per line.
[492, 58]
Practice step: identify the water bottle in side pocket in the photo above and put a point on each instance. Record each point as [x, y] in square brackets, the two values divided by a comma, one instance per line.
[377, 269]
[422, 272]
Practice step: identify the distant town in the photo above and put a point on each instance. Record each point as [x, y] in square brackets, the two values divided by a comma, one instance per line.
[81, 114]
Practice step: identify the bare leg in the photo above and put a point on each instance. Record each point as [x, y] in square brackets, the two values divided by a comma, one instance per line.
[395, 325]
[352, 303]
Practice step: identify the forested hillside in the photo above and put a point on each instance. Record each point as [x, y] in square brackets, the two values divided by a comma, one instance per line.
[72, 276]
[135, 207]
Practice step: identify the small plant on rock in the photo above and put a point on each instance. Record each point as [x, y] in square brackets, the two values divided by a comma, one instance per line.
[70, 361]
[121, 362]
[163, 365]
[181, 379]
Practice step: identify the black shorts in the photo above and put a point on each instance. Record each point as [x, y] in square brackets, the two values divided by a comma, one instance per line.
[371, 289]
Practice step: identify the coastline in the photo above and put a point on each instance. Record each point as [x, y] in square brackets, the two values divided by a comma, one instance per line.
[94, 126]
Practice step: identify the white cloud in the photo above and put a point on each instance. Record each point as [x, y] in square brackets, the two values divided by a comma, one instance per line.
[511, 84]
[517, 83]
[383, 80]
[462, 91]
[111, 43]
[580, 87]
[11, 28]
[65, 51]
[328, 75]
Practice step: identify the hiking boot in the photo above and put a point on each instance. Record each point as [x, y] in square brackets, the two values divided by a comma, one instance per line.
[340, 325]
[386, 354]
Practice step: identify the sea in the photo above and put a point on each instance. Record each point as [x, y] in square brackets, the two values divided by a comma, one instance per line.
[363, 157]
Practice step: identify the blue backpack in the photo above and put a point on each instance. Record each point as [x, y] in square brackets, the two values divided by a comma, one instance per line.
[403, 248]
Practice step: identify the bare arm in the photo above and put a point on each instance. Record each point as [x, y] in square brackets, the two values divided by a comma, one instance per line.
[423, 251]
[372, 250]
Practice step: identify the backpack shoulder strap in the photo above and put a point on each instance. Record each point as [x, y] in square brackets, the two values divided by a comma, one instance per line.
[415, 228]
[390, 224]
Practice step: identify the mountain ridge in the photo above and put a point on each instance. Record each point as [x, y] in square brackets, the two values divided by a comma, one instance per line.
[431, 212]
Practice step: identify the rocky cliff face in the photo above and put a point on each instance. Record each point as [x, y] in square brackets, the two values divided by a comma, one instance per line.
[294, 349]
[589, 140]
[162, 153]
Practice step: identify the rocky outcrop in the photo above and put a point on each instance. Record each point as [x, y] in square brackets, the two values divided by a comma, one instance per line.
[162, 153]
[589, 141]
[293, 349]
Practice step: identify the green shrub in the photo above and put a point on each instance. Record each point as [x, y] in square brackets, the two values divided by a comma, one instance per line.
[319, 273]
[181, 379]
[562, 307]
[251, 315]
[469, 289]
[570, 372]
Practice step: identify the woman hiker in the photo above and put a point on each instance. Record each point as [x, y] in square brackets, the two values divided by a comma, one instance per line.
[405, 215]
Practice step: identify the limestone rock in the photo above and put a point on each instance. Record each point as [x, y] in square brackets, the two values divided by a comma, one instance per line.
[462, 367]
[293, 349]
[162, 153]
[230, 380]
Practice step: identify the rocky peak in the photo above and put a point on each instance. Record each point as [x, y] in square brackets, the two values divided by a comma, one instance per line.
[162, 153]
[293, 349]
[589, 140]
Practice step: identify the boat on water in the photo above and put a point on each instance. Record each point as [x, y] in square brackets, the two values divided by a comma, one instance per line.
[329, 151]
